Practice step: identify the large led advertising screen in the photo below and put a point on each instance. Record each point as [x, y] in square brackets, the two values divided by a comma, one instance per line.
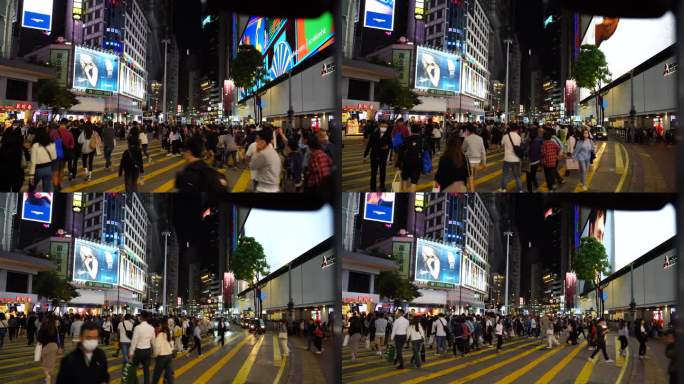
[95, 70]
[132, 84]
[95, 263]
[643, 37]
[437, 70]
[379, 206]
[379, 14]
[37, 14]
[132, 276]
[437, 262]
[287, 43]
[37, 206]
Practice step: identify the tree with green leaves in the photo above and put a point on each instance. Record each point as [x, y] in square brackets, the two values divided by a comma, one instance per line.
[391, 93]
[50, 94]
[393, 286]
[248, 263]
[591, 72]
[248, 72]
[55, 288]
[589, 261]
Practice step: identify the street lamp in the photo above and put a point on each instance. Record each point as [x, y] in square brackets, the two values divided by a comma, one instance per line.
[166, 235]
[508, 235]
[508, 43]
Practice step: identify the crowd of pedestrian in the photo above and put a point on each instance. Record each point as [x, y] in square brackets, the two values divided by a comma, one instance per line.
[44, 154]
[389, 335]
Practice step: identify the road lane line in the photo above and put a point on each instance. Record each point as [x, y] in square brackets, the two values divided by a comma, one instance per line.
[520, 372]
[166, 187]
[429, 358]
[208, 374]
[624, 367]
[243, 373]
[243, 182]
[553, 372]
[276, 350]
[150, 175]
[593, 168]
[619, 162]
[624, 173]
[280, 371]
[491, 368]
[443, 372]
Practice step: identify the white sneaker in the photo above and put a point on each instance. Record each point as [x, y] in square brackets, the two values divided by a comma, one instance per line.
[501, 190]
[589, 358]
[610, 361]
[584, 188]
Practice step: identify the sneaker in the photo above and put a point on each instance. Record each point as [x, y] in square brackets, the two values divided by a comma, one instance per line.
[584, 188]
[610, 361]
[501, 190]
[589, 359]
[318, 352]
[379, 353]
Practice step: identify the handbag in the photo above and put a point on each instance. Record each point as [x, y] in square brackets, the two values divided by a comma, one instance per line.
[397, 140]
[427, 162]
[571, 164]
[346, 340]
[37, 352]
[396, 182]
[456, 186]
[517, 149]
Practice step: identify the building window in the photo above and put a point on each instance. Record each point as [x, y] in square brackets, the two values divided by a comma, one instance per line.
[359, 282]
[17, 282]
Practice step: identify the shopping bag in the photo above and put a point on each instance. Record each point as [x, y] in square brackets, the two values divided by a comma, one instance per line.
[282, 335]
[571, 164]
[396, 182]
[346, 340]
[129, 374]
[436, 187]
[37, 352]
[397, 140]
[367, 342]
[427, 162]
[391, 353]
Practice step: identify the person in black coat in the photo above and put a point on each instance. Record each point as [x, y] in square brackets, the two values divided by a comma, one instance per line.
[379, 143]
[86, 364]
[11, 152]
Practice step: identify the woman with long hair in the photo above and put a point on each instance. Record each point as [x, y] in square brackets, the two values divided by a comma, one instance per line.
[583, 153]
[88, 141]
[163, 353]
[416, 336]
[453, 170]
[43, 156]
[48, 339]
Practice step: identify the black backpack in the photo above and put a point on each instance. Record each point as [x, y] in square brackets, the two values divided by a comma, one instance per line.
[517, 149]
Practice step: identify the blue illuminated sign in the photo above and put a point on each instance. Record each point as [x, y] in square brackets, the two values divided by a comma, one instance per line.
[379, 14]
[379, 207]
[37, 207]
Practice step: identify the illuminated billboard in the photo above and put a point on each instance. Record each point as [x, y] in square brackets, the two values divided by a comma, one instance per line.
[132, 275]
[37, 206]
[37, 14]
[95, 70]
[437, 70]
[379, 14]
[474, 275]
[287, 43]
[437, 262]
[644, 37]
[95, 262]
[379, 206]
[132, 84]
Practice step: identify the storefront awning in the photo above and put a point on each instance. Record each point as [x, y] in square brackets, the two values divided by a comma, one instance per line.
[88, 297]
[88, 105]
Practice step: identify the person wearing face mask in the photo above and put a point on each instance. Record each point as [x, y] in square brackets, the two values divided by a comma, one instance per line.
[379, 143]
[87, 363]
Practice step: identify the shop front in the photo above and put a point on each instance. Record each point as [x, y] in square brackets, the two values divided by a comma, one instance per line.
[14, 303]
[431, 301]
[353, 302]
[11, 111]
[355, 113]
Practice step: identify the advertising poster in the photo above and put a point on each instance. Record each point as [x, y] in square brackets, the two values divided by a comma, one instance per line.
[379, 206]
[379, 14]
[95, 70]
[37, 206]
[437, 263]
[287, 43]
[401, 58]
[474, 276]
[132, 84]
[59, 251]
[401, 250]
[228, 287]
[37, 14]
[59, 58]
[437, 70]
[132, 276]
[95, 263]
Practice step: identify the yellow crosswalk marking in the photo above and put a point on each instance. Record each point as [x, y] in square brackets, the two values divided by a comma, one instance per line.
[243, 373]
[243, 182]
[625, 171]
[441, 372]
[276, 351]
[166, 187]
[280, 371]
[520, 372]
[553, 372]
[491, 368]
[593, 168]
[155, 173]
[208, 374]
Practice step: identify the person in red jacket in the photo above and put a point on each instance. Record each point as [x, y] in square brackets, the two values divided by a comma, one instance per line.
[68, 144]
[549, 159]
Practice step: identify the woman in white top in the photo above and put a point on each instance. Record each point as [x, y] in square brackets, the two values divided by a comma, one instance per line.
[163, 353]
[89, 140]
[43, 156]
[415, 336]
[499, 334]
[106, 330]
[144, 142]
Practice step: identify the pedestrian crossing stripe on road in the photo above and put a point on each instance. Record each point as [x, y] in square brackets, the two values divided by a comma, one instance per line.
[443, 361]
[491, 368]
[243, 373]
[208, 374]
[553, 372]
[521, 371]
